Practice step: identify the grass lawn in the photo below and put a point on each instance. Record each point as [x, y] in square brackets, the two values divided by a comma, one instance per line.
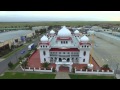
[72, 76]
[20, 75]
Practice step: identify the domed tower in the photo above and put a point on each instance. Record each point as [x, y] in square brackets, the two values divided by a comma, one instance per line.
[84, 50]
[76, 33]
[64, 36]
[51, 34]
[44, 49]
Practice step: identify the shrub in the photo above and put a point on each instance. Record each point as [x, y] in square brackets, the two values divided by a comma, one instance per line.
[45, 65]
[24, 64]
[53, 70]
[73, 70]
[105, 66]
[10, 65]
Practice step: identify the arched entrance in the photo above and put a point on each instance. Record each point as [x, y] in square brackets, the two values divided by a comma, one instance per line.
[68, 59]
[60, 60]
[63, 68]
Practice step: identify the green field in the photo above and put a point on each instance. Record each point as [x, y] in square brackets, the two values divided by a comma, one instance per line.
[19, 75]
[48, 23]
[72, 76]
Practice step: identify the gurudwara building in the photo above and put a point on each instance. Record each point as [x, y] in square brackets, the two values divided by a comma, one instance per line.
[64, 48]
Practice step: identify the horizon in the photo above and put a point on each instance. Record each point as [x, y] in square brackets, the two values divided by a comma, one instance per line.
[41, 16]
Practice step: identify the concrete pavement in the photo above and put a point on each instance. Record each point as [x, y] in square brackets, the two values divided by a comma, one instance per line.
[118, 76]
[62, 75]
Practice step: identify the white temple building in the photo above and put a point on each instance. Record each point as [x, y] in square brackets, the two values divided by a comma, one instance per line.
[64, 48]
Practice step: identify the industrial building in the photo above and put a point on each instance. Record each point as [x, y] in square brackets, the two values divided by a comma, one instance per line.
[14, 37]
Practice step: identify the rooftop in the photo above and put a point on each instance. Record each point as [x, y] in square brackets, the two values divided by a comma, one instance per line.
[13, 34]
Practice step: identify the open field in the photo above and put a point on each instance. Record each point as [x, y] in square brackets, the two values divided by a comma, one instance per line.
[72, 76]
[47, 23]
[18, 75]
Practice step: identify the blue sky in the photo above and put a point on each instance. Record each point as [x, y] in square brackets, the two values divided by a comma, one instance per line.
[11, 16]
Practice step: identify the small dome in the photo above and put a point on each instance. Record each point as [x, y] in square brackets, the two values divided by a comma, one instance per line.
[84, 39]
[64, 32]
[52, 32]
[76, 32]
[44, 38]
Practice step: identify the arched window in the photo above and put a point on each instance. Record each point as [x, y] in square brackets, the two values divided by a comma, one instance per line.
[83, 60]
[84, 53]
[66, 41]
[82, 46]
[46, 46]
[87, 46]
[44, 53]
[41, 46]
[61, 42]
[44, 59]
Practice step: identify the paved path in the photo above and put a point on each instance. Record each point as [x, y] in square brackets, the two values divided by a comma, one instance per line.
[62, 75]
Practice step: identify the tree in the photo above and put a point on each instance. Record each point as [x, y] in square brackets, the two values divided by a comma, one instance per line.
[24, 64]
[45, 65]
[10, 64]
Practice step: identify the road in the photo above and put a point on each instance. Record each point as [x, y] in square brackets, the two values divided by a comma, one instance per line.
[14, 58]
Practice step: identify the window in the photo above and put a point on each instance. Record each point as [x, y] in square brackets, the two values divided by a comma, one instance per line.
[63, 52]
[68, 52]
[82, 46]
[87, 46]
[84, 53]
[44, 53]
[44, 59]
[46, 46]
[61, 42]
[59, 52]
[64, 41]
[83, 60]
[41, 46]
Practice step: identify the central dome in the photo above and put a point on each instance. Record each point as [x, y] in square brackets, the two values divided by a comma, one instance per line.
[64, 32]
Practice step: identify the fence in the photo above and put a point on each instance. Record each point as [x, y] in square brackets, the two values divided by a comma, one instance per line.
[95, 72]
[36, 70]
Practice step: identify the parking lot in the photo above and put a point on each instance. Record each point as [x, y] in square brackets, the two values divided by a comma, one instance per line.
[106, 53]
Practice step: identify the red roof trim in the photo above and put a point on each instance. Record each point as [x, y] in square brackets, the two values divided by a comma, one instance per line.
[58, 49]
[44, 43]
[67, 38]
[81, 43]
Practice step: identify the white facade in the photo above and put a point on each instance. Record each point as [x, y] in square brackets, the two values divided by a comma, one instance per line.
[64, 48]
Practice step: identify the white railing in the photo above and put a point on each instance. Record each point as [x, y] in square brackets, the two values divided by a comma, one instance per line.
[94, 72]
[37, 70]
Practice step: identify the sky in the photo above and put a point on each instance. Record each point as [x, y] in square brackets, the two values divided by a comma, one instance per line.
[21, 16]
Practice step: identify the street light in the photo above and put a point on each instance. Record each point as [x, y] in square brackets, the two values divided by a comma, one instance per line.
[116, 69]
